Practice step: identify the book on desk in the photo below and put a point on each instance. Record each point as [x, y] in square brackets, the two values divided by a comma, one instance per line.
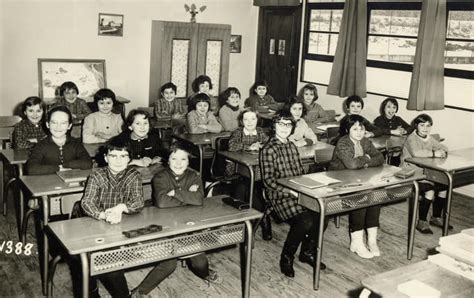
[74, 176]
[315, 180]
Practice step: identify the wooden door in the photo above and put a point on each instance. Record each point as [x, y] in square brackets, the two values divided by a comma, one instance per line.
[278, 49]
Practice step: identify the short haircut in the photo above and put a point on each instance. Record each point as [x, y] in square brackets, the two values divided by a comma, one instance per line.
[117, 143]
[240, 118]
[354, 98]
[225, 95]
[283, 114]
[201, 80]
[131, 117]
[296, 100]
[422, 118]
[349, 121]
[102, 94]
[63, 109]
[68, 86]
[259, 83]
[174, 147]
[199, 97]
[168, 85]
[32, 101]
[385, 102]
[310, 87]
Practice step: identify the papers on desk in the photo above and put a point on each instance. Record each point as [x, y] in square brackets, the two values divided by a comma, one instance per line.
[326, 126]
[459, 246]
[452, 265]
[416, 288]
[72, 176]
[314, 180]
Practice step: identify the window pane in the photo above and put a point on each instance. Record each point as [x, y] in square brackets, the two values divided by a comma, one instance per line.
[325, 20]
[394, 22]
[322, 43]
[459, 55]
[213, 64]
[461, 24]
[179, 65]
[391, 49]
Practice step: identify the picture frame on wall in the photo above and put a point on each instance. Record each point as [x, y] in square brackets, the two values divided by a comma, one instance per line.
[110, 24]
[88, 74]
[235, 43]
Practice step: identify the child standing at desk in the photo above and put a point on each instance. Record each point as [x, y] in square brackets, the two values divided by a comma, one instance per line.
[230, 108]
[389, 122]
[279, 158]
[102, 125]
[168, 107]
[145, 144]
[355, 151]
[354, 105]
[259, 98]
[421, 144]
[177, 186]
[29, 131]
[200, 119]
[302, 135]
[315, 113]
[110, 192]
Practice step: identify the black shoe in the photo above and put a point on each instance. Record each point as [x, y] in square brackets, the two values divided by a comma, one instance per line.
[266, 226]
[311, 260]
[438, 222]
[286, 265]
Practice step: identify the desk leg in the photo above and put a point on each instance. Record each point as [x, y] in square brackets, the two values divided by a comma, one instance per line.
[22, 203]
[248, 258]
[2, 185]
[201, 157]
[411, 235]
[319, 248]
[447, 211]
[252, 184]
[45, 244]
[85, 275]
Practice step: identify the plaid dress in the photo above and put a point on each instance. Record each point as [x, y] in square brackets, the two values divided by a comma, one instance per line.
[24, 131]
[239, 141]
[279, 160]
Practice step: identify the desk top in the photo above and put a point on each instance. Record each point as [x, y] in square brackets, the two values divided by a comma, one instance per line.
[201, 139]
[457, 160]
[362, 179]
[79, 235]
[5, 132]
[252, 159]
[15, 157]
[448, 283]
[9, 121]
[380, 141]
[44, 185]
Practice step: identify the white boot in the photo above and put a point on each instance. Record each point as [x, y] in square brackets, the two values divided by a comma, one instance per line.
[358, 245]
[372, 241]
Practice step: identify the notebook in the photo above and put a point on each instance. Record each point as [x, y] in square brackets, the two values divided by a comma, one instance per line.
[314, 180]
[72, 176]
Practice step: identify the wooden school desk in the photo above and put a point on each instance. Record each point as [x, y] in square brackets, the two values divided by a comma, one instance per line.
[448, 283]
[358, 189]
[45, 186]
[247, 164]
[199, 141]
[9, 121]
[186, 230]
[380, 142]
[454, 171]
[5, 136]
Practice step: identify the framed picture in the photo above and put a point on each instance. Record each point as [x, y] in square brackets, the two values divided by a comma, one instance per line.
[110, 24]
[235, 43]
[88, 75]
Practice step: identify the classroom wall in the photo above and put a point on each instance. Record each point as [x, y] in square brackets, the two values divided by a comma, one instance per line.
[33, 29]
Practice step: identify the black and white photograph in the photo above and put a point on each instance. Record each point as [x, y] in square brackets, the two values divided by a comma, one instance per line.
[332, 156]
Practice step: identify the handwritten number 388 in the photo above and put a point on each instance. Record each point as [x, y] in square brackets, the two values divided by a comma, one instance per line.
[18, 248]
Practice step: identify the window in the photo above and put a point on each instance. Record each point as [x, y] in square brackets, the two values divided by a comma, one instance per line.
[459, 50]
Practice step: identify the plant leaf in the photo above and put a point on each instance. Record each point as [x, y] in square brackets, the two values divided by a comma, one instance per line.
[203, 8]
[186, 7]
[193, 6]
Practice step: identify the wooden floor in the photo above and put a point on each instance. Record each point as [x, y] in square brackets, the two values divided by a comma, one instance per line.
[19, 275]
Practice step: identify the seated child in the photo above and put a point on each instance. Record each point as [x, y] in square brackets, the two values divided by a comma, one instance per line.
[203, 84]
[145, 144]
[420, 144]
[303, 135]
[176, 186]
[388, 122]
[102, 125]
[110, 192]
[354, 105]
[168, 107]
[29, 131]
[58, 151]
[355, 151]
[200, 119]
[68, 93]
[315, 113]
[280, 158]
[260, 99]
[230, 108]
